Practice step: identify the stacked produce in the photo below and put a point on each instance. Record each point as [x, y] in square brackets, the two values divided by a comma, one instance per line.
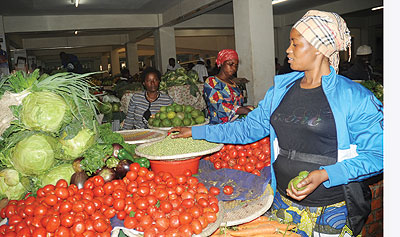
[180, 77]
[251, 158]
[46, 123]
[177, 115]
[148, 202]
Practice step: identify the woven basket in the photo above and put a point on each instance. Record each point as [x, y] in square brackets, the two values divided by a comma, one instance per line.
[140, 136]
[238, 212]
[184, 156]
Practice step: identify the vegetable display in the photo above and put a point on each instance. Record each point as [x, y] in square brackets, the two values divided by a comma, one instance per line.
[180, 77]
[177, 115]
[152, 203]
[375, 87]
[251, 158]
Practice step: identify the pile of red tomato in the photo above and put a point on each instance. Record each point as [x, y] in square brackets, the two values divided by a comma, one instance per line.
[156, 204]
[251, 158]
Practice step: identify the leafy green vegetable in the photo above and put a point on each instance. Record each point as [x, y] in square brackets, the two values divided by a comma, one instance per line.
[95, 156]
[10, 185]
[64, 171]
[45, 111]
[35, 154]
[107, 136]
[76, 146]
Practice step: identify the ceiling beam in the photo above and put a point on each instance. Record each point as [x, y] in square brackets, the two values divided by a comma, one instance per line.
[14, 24]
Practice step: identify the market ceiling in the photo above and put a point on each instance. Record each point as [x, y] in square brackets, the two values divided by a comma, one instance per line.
[171, 12]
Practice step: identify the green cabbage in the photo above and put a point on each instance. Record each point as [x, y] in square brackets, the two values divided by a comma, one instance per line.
[64, 171]
[45, 111]
[76, 146]
[34, 154]
[10, 185]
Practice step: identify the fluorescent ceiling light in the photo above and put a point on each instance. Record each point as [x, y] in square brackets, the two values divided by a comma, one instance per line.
[76, 32]
[76, 3]
[277, 1]
[377, 8]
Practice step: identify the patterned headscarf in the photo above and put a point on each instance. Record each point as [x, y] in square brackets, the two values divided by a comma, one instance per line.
[224, 55]
[327, 32]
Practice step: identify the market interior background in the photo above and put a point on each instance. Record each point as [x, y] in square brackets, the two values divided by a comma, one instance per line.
[110, 35]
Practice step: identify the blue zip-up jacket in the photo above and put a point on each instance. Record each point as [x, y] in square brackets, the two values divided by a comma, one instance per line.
[358, 116]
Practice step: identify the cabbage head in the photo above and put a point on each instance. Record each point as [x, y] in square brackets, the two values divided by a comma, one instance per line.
[10, 185]
[45, 111]
[64, 171]
[76, 146]
[34, 154]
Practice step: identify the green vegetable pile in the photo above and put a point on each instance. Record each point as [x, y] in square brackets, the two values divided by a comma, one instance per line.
[375, 87]
[177, 115]
[46, 123]
[180, 77]
[177, 146]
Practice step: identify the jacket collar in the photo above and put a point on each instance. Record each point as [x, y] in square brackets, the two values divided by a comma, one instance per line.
[328, 81]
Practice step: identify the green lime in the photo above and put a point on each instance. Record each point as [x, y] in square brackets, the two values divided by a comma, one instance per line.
[188, 115]
[200, 119]
[163, 115]
[195, 113]
[170, 108]
[176, 122]
[151, 120]
[171, 115]
[166, 123]
[303, 174]
[180, 115]
[187, 121]
[193, 122]
[163, 109]
[157, 116]
[178, 108]
[188, 108]
[156, 123]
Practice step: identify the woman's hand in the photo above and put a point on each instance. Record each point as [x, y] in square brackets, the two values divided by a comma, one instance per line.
[244, 110]
[183, 132]
[311, 182]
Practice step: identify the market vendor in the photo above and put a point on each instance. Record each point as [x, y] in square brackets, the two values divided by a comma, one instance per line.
[223, 97]
[143, 104]
[320, 122]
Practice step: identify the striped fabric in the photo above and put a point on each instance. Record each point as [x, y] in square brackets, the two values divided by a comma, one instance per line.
[138, 105]
[327, 32]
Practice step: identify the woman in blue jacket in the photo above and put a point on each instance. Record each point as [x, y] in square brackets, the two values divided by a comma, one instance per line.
[317, 121]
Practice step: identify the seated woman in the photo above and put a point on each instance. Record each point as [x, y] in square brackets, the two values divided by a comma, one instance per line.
[143, 104]
[223, 97]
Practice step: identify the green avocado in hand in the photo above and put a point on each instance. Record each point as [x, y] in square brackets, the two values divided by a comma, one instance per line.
[296, 180]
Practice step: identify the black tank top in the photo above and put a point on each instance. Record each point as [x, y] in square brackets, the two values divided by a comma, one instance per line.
[304, 122]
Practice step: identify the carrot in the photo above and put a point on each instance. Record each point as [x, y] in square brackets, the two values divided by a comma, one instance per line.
[221, 233]
[260, 229]
[278, 225]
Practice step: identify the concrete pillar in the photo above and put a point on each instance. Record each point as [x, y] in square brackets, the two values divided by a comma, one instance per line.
[4, 66]
[104, 62]
[132, 58]
[115, 68]
[164, 47]
[253, 21]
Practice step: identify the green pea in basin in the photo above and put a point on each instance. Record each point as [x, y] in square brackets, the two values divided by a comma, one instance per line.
[296, 180]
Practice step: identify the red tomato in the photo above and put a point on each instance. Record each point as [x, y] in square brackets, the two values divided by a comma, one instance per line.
[214, 191]
[130, 222]
[210, 216]
[185, 218]
[188, 203]
[203, 221]
[196, 211]
[249, 167]
[119, 204]
[39, 232]
[192, 181]
[185, 230]
[232, 162]
[40, 210]
[62, 192]
[249, 152]
[63, 231]
[162, 224]
[61, 183]
[53, 224]
[149, 175]
[141, 204]
[217, 165]
[65, 207]
[256, 172]
[181, 179]
[196, 226]
[142, 171]
[166, 206]
[88, 185]
[98, 180]
[100, 225]
[233, 153]
[110, 212]
[78, 228]
[51, 200]
[187, 173]
[228, 190]
[67, 220]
